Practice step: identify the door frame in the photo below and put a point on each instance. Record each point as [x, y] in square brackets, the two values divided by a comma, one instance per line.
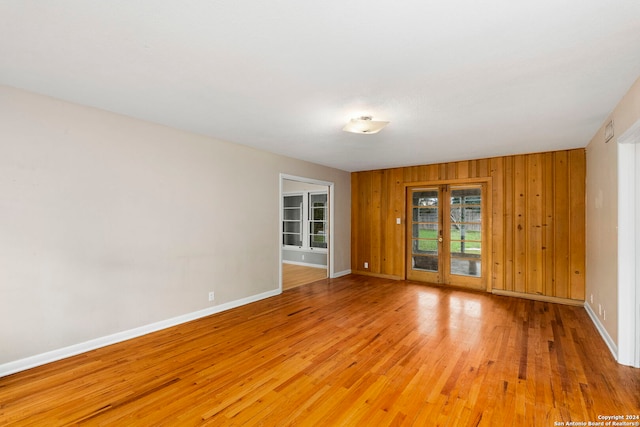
[488, 182]
[628, 351]
[330, 248]
[424, 275]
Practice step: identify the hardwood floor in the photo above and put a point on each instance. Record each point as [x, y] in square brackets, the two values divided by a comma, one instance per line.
[351, 351]
[295, 275]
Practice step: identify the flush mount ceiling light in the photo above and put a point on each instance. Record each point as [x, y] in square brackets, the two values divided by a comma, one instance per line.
[364, 125]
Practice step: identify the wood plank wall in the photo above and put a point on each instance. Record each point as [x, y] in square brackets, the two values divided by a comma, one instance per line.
[538, 219]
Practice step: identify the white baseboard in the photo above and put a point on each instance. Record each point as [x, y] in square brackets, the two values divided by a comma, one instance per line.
[72, 350]
[603, 332]
[340, 274]
[304, 264]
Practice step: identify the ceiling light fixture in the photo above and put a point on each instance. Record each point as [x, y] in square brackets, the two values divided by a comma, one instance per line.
[364, 125]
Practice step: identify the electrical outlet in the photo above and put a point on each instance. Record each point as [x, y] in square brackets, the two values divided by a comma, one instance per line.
[303, 257]
[366, 265]
[212, 296]
[398, 221]
[600, 309]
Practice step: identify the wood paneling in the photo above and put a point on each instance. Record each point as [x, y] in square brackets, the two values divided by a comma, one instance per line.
[538, 219]
[561, 226]
[577, 191]
[353, 351]
[498, 225]
[520, 231]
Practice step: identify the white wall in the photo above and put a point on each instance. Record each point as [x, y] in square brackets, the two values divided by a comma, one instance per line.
[108, 223]
[602, 217]
[289, 186]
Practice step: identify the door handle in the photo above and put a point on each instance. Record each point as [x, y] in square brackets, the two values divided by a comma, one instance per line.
[440, 239]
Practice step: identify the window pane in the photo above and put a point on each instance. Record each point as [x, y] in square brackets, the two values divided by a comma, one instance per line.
[318, 241]
[466, 266]
[469, 195]
[425, 231]
[466, 214]
[425, 263]
[425, 198]
[292, 214]
[291, 239]
[317, 206]
[425, 214]
[423, 247]
[293, 201]
[465, 248]
[318, 214]
[291, 227]
[317, 227]
[317, 220]
[466, 231]
[317, 198]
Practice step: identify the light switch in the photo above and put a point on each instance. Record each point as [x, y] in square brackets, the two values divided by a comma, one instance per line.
[398, 221]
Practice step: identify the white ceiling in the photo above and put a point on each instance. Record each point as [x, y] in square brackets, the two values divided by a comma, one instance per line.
[458, 79]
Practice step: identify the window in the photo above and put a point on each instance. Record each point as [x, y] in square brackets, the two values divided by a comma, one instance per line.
[292, 221]
[317, 220]
[304, 220]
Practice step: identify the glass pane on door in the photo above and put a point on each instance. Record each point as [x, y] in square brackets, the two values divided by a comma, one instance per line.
[465, 235]
[425, 230]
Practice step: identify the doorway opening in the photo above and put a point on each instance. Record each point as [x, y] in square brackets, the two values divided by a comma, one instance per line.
[306, 213]
[447, 234]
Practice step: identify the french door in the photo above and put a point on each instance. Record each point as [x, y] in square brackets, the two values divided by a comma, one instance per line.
[446, 234]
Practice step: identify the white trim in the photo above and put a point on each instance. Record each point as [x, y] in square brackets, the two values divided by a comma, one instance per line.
[280, 229]
[340, 274]
[628, 244]
[305, 264]
[308, 250]
[331, 191]
[603, 331]
[72, 350]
